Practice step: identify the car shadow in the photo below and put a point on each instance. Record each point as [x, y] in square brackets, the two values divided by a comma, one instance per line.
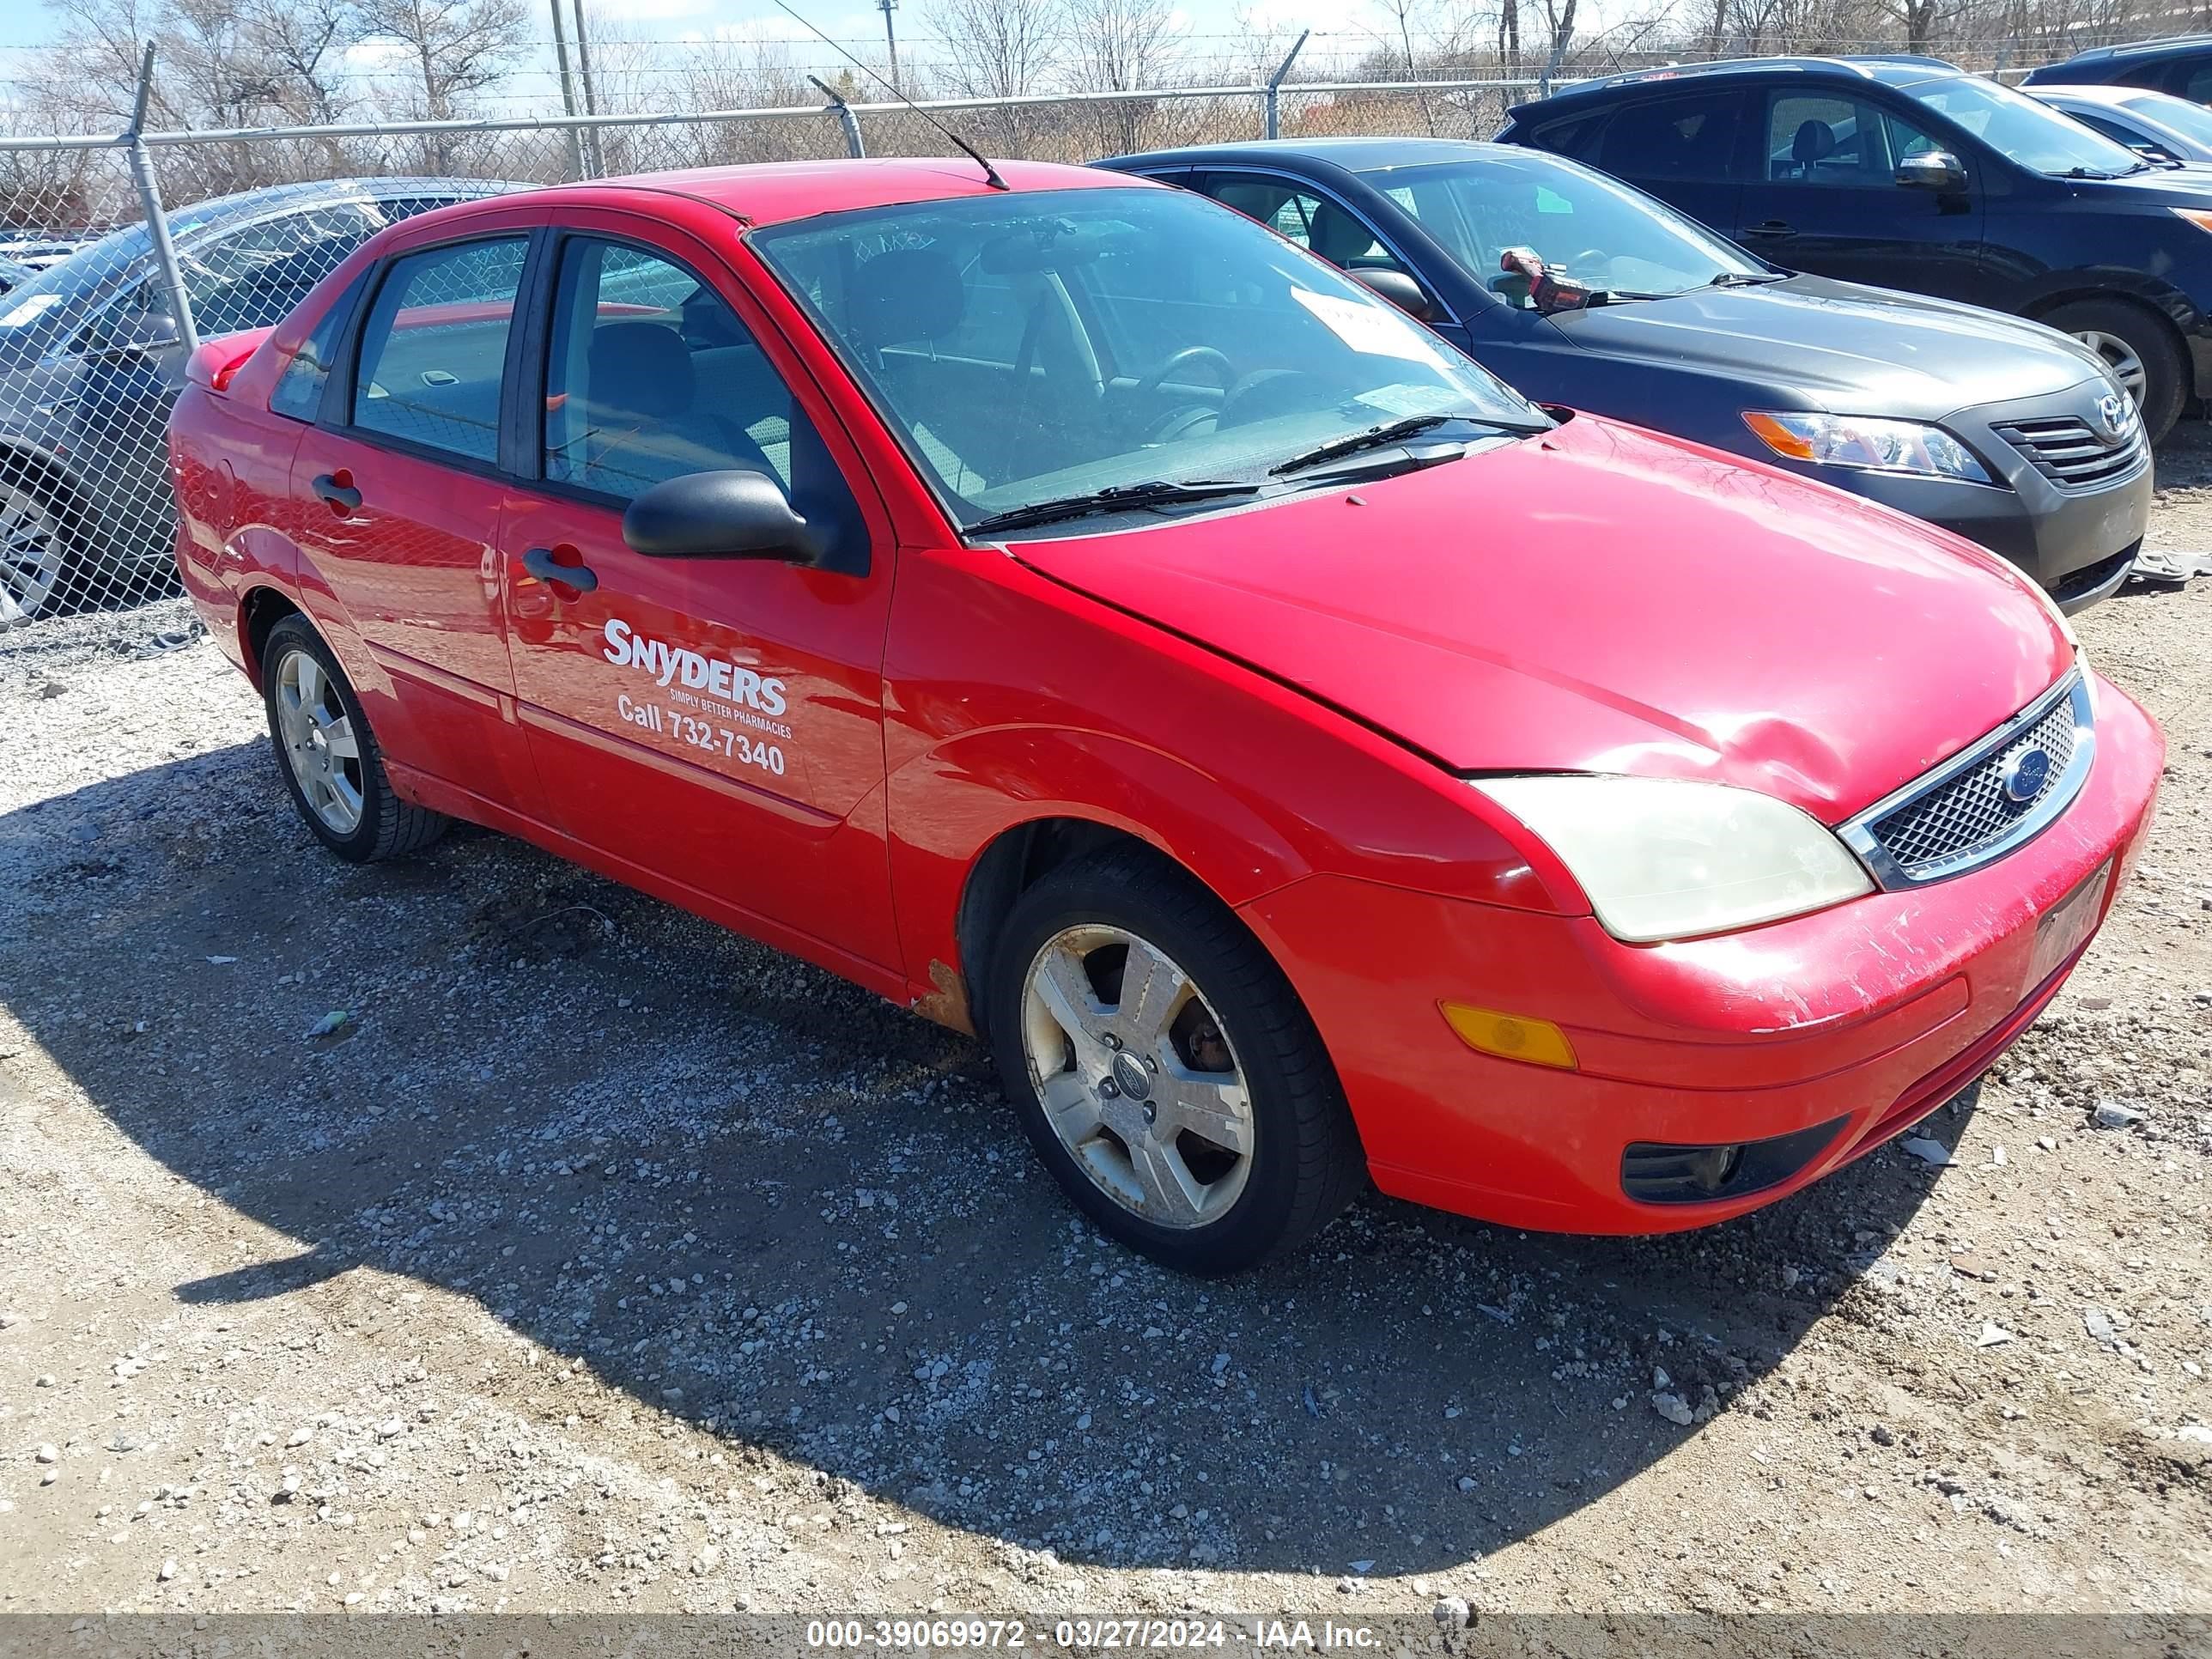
[763, 1200]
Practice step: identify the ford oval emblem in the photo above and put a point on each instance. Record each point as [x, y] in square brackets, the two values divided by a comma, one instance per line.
[2115, 412]
[2023, 774]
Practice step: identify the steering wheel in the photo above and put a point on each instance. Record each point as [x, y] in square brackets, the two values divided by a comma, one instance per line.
[1189, 356]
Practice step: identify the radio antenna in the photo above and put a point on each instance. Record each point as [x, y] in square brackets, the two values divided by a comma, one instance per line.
[990, 173]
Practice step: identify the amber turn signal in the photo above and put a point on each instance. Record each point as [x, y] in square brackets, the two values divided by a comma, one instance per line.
[1510, 1037]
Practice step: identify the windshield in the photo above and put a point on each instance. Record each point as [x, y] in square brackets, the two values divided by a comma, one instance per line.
[43, 310]
[1580, 223]
[1029, 346]
[2032, 134]
[2192, 121]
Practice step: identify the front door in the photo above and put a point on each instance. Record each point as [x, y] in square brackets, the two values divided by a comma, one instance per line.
[713, 725]
[399, 503]
[1828, 200]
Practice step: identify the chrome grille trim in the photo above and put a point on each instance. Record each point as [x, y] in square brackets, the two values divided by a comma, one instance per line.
[1953, 785]
[2072, 454]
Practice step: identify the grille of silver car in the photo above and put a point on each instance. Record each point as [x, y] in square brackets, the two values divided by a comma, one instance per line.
[1970, 812]
[2071, 453]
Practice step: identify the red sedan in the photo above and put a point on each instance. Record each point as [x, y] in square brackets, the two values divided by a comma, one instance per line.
[1061, 606]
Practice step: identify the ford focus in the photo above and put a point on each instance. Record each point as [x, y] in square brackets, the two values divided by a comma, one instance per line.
[1057, 602]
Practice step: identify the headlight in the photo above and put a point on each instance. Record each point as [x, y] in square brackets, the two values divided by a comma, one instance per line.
[1671, 858]
[1862, 442]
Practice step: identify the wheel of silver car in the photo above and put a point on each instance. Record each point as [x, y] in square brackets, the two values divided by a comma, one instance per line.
[2119, 356]
[329, 757]
[1162, 1066]
[1135, 1077]
[318, 741]
[33, 556]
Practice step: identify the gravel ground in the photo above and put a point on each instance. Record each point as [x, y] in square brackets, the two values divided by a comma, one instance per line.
[600, 1260]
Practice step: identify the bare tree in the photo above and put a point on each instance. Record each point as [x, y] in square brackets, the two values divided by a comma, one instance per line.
[458, 48]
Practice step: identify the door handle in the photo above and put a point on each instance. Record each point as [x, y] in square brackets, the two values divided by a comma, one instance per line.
[336, 489]
[1773, 230]
[540, 562]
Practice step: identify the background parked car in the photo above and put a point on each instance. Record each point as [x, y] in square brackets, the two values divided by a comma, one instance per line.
[39, 252]
[2181, 65]
[91, 363]
[2157, 125]
[1907, 173]
[1986, 425]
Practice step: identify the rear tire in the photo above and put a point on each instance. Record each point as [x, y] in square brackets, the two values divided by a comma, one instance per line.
[1192, 1113]
[2139, 348]
[329, 758]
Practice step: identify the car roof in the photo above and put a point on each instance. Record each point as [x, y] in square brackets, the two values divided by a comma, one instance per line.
[2098, 92]
[1353, 155]
[773, 192]
[2171, 46]
[1895, 70]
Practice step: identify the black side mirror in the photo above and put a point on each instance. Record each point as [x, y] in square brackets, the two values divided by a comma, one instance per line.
[1935, 169]
[1400, 289]
[740, 513]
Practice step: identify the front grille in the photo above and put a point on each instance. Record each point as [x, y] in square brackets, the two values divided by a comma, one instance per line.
[1971, 810]
[2073, 454]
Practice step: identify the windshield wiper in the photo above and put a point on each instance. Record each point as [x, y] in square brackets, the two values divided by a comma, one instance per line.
[2091, 172]
[1114, 498]
[1391, 432]
[1746, 278]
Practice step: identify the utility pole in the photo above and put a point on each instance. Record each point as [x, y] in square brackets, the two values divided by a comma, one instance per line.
[567, 93]
[891, 39]
[591, 96]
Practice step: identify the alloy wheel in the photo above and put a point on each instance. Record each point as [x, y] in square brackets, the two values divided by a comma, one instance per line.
[2120, 357]
[30, 558]
[319, 744]
[1136, 1076]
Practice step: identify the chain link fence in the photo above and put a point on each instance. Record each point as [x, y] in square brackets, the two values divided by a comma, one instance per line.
[92, 345]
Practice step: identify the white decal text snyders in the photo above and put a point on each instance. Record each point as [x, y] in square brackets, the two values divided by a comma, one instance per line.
[673, 664]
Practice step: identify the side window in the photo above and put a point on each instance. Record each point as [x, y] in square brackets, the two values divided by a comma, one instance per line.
[1576, 137]
[2113, 130]
[2196, 84]
[433, 348]
[1687, 138]
[1312, 222]
[122, 322]
[1842, 142]
[650, 376]
[299, 393]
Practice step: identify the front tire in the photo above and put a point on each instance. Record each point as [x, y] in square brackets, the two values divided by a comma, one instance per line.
[1164, 1069]
[38, 563]
[2139, 350]
[329, 757]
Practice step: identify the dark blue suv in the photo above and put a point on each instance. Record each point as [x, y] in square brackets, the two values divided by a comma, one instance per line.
[2181, 64]
[1907, 173]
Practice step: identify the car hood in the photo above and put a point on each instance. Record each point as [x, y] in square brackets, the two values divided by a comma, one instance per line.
[1605, 600]
[1852, 350]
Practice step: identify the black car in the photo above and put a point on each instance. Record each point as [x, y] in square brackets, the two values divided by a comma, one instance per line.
[1907, 173]
[1993, 427]
[2181, 64]
[91, 360]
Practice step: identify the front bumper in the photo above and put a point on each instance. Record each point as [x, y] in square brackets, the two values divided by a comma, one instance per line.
[1864, 1017]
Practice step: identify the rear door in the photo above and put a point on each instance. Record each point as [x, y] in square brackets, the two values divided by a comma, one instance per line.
[1825, 196]
[399, 496]
[1681, 146]
[715, 724]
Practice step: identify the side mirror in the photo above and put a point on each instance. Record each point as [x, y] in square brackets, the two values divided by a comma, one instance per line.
[142, 334]
[1935, 169]
[737, 514]
[1400, 289]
